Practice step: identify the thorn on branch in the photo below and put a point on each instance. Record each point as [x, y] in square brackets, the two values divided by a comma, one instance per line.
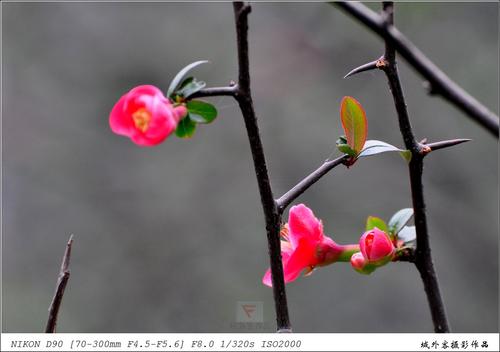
[62, 281]
[366, 67]
[443, 144]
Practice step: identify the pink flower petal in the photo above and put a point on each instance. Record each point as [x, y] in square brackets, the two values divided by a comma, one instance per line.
[119, 121]
[301, 258]
[286, 252]
[304, 225]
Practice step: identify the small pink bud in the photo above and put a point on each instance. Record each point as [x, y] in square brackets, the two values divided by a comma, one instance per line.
[361, 265]
[145, 115]
[376, 247]
[358, 262]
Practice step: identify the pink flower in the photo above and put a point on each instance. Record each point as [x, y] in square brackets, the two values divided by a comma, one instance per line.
[304, 246]
[145, 115]
[376, 247]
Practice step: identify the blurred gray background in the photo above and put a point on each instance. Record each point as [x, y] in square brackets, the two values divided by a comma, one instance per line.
[169, 239]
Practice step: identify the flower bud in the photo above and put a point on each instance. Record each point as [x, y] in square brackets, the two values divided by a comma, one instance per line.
[376, 247]
[361, 265]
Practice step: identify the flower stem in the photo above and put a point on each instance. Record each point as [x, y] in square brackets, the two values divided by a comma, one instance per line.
[347, 251]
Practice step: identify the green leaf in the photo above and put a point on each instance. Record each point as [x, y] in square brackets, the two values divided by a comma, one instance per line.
[354, 122]
[373, 221]
[341, 140]
[399, 220]
[407, 234]
[185, 82]
[185, 128]
[190, 88]
[180, 75]
[406, 154]
[344, 148]
[201, 112]
[367, 269]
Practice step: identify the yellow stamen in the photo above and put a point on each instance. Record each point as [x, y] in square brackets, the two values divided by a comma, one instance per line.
[142, 118]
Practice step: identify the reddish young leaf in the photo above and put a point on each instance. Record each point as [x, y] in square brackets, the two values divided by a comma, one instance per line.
[354, 122]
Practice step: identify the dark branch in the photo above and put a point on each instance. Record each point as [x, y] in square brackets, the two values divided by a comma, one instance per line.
[405, 255]
[285, 200]
[423, 259]
[215, 91]
[441, 84]
[62, 281]
[272, 217]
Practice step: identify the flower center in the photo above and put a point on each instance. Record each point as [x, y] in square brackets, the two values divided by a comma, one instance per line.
[142, 118]
[368, 244]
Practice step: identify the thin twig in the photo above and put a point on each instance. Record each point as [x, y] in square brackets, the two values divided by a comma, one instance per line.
[439, 82]
[423, 259]
[272, 217]
[215, 91]
[287, 198]
[62, 281]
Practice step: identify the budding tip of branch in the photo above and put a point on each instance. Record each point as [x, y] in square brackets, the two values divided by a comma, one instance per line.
[348, 161]
[425, 149]
[381, 63]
